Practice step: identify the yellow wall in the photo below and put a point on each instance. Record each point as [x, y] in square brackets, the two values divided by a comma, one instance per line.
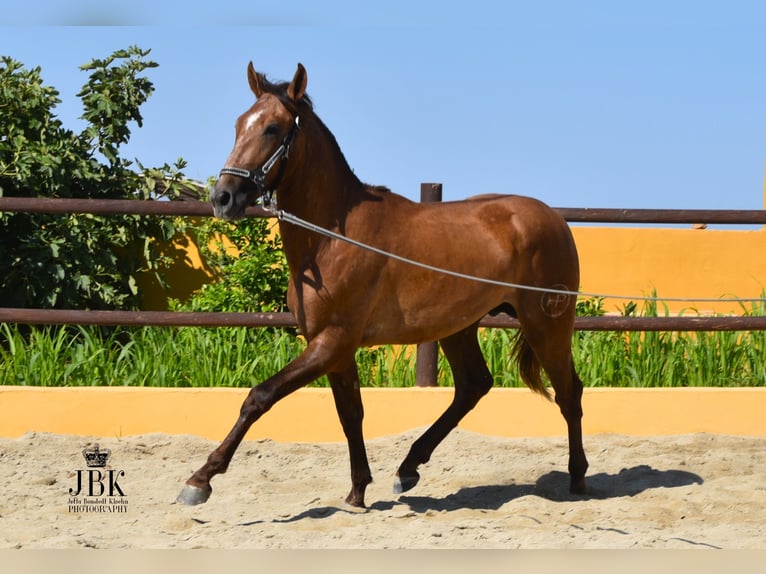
[185, 275]
[673, 262]
[309, 415]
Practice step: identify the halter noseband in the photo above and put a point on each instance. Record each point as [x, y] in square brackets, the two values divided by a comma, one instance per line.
[258, 175]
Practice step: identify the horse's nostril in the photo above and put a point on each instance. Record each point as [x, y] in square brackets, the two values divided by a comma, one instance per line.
[225, 203]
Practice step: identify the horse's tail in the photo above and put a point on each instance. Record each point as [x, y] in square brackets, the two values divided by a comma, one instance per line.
[529, 366]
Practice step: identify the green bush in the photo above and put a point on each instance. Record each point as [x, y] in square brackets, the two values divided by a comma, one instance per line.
[254, 279]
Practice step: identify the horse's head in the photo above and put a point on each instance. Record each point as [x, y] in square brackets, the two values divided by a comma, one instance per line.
[264, 136]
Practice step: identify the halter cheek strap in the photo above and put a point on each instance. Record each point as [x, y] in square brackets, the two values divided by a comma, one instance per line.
[258, 175]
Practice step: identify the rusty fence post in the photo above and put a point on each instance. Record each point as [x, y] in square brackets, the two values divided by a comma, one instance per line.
[427, 357]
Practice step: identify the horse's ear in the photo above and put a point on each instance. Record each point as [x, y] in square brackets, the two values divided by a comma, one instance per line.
[297, 88]
[255, 80]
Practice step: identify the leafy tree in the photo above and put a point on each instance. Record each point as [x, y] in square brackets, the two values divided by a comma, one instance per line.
[79, 260]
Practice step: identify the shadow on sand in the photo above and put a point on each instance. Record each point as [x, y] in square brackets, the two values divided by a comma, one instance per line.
[553, 486]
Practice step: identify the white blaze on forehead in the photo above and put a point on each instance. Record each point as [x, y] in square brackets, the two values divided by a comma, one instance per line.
[252, 118]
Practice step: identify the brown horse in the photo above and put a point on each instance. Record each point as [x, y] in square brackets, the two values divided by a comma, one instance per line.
[345, 297]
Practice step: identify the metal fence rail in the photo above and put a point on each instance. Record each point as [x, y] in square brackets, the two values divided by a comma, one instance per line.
[216, 319]
[204, 209]
[687, 216]
[115, 207]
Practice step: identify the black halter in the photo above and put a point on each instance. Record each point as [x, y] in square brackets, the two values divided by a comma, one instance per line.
[258, 175]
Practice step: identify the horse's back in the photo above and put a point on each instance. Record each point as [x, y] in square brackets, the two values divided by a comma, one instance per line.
[507, 223]
[517, 221]
[530, 240]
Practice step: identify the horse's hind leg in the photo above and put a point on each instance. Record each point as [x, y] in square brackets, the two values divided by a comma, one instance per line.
[472, 381]
[549, 343]
[348, 402]
[568, 388]
[571, 408]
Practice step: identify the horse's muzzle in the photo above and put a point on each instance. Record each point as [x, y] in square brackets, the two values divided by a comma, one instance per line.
[228, 201]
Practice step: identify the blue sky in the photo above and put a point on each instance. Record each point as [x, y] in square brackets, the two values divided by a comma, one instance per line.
[581, 104]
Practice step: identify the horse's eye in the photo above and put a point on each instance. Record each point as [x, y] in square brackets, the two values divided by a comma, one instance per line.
[271, 130]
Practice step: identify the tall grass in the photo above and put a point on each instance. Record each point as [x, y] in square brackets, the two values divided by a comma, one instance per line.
[672, 359]
[241, 357]
[147, 356]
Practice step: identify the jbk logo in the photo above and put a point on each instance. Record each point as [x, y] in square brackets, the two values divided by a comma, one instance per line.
[97, 489]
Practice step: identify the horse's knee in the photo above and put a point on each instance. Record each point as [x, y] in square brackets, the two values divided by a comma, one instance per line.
[259, 400]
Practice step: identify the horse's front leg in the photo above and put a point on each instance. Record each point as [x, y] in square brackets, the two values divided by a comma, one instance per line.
[348, 402]
[316, 360]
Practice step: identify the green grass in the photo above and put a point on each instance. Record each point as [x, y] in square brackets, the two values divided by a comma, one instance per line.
[240, 357]
[147, 356]
[673, 359]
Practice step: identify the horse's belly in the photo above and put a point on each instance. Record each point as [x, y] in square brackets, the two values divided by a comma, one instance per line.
[427, 320]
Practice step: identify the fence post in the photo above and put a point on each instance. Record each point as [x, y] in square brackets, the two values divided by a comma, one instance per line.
[427, 353]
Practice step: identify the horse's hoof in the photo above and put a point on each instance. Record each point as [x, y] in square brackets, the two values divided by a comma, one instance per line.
[355, 507]
[193, 495]
[356, 502]
[405, 483]
[578, 486]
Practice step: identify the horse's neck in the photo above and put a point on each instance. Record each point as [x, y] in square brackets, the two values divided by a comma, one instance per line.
[322, 188]
[320, 198]
[322, 191]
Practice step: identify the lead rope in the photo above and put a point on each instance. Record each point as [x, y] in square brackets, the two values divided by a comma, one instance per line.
[282, 215]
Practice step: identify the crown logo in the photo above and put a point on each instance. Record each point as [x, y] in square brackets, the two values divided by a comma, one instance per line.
[95, 457]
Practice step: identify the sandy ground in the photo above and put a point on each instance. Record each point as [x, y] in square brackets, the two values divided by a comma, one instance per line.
[689, 491]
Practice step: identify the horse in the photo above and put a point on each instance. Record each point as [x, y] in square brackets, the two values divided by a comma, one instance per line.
[345, 297]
